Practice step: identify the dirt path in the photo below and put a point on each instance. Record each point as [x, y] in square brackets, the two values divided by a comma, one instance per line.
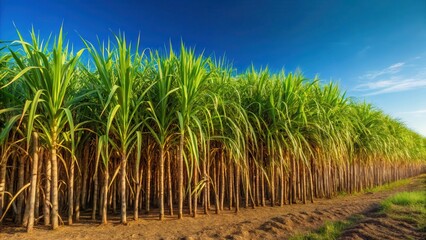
[376, 225]
[259, 223]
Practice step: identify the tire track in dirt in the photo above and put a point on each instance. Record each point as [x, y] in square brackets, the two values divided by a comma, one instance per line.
[382, 227]
[377, 226]
[281, 226]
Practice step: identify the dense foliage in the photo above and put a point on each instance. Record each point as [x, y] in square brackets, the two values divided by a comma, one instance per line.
[131, 129]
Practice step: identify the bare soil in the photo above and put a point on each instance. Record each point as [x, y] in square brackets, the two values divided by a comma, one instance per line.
[376, 225]
[260, 223]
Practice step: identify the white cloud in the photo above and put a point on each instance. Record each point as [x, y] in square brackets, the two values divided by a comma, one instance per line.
[376, 85]
[394, 78]
[388, 86]
[395, 68]
[421, 111]
[363, 51]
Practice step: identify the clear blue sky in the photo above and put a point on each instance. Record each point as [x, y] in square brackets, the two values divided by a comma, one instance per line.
[375, 49]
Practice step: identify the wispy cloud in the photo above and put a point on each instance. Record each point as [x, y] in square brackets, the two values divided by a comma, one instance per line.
[395, 68]
[394, 78]
[395, 85]
[421, 111]
[363, 51]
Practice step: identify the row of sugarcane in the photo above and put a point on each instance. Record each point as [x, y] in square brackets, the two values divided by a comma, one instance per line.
[135, 131]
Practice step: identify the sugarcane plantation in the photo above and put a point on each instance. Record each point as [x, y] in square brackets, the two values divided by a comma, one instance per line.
[116, 129]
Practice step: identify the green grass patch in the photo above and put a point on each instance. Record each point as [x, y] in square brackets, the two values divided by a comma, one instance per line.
[388, 186]
[407, 206]
[405, 199]
[330, 230]
[384, 187]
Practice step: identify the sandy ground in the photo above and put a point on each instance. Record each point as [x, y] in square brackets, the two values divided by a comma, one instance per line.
[259, 223]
